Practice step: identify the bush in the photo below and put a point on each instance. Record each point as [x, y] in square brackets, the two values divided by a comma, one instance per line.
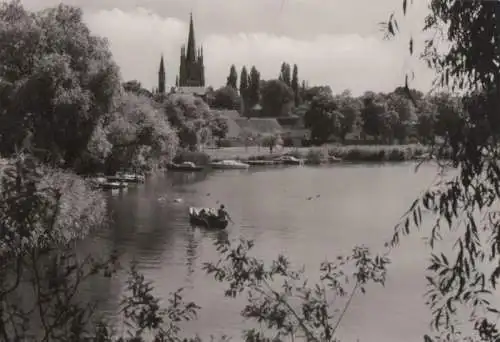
[288, 141]
[378, 153]
[316, 157]
[199, 158]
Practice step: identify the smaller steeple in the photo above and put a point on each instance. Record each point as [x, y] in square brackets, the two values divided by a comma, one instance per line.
[161, 76]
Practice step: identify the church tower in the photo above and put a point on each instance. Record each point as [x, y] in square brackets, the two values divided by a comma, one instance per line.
[161, 77]
[191, 68]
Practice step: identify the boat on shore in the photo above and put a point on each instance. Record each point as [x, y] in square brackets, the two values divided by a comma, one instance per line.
[113, 185]
[261, 162]
[333, 159]
[229, 165]
[104, 184]
[207, 219]
[185, 166]
[124, 177]
[290, 160]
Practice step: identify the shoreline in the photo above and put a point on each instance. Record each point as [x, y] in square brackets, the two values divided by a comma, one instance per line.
[329, 154]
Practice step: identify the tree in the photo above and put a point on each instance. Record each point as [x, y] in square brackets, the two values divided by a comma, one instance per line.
[310, 93]
[219, 127]
[426, 120]
[322, 118]
[191, 117]
[464, 279]
[244, 80]
[38, 256]
[425, 127]
[270, 141]
[253, 96]
[389, 123]
[57, 87]
[403, 105]
[285, 74]
[135, 87]
[137, 135]
[232, 79]
[226, 98]
[296, 310]
[371, 114]
[276, 98]
[295, 85]
[449, 110]
[351, 113]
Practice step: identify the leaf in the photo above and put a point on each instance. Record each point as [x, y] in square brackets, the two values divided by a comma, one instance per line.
[428, 339]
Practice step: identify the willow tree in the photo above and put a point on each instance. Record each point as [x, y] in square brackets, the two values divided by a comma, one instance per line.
[465, 206]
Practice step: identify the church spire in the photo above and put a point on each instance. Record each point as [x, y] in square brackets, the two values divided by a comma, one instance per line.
[191, 46]
[161, 76]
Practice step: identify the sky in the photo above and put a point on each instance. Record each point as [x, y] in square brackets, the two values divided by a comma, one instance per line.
[334, 42]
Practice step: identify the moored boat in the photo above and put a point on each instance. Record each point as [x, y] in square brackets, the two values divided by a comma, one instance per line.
[206, 217]
[123, 177]
[229, 165]
[290, 160]
[113, 185]
[185, 166]
[261, 162]
[334, 159]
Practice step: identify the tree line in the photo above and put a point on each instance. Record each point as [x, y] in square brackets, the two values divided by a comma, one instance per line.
[403, 115]
[399, 116]
[276, 96]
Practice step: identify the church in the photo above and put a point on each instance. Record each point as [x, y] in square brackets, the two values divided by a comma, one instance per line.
[191, 76]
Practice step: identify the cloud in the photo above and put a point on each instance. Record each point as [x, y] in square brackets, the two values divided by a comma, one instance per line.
[344, 60]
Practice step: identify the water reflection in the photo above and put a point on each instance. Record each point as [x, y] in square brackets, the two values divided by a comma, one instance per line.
[183, 178]
[191, 253]
[356, 204]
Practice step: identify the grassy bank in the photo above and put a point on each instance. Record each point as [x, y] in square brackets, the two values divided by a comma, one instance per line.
[324, 154]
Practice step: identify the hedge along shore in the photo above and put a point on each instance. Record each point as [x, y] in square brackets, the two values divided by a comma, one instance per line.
[326, 154]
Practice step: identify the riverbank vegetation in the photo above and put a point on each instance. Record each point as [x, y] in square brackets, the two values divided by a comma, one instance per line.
[315, 115]
[327, 153]
[62, 104]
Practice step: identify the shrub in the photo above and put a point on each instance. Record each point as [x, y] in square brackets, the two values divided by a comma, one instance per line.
[288, 141]
[316, 156]
[377, 153]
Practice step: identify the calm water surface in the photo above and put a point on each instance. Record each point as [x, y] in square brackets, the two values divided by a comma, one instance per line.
[351, 204]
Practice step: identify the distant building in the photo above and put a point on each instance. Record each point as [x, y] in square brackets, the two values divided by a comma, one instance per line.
[191, 68]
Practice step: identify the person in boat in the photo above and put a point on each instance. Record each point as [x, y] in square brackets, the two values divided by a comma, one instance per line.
[223, 214]
[203, 213]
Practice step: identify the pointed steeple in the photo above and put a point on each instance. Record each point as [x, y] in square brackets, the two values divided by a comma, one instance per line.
[191, 45]
[162, 65]
[161, 76]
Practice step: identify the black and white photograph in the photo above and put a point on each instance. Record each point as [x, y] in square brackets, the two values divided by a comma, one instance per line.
[249, 170]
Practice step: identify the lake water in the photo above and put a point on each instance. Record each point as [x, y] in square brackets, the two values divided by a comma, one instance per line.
[351, 204]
